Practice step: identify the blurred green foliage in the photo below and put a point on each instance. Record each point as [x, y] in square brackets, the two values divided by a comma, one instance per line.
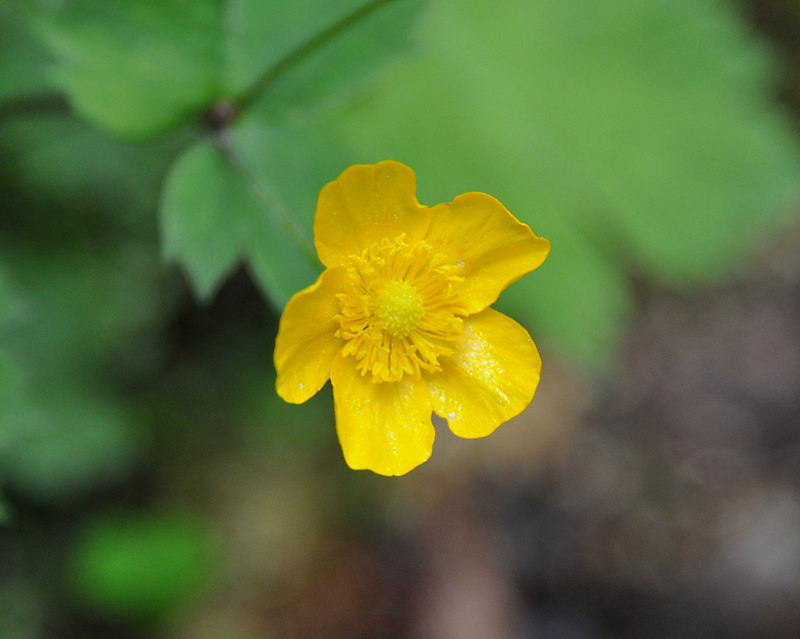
[639, 136]
[142, 566]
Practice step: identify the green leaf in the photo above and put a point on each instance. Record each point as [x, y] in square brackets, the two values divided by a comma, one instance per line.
[575, 273]
[635, 135]
[139, 68]
[142, 565]
[204, 210]
[251, 196]
[251, 200]
[260, 34]
[287, 167]
[327, 61]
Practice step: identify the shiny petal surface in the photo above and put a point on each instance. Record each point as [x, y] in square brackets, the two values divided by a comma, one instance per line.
[306, 344]
[365, 204]
[383, 427]
[493, 248]
[491, 378]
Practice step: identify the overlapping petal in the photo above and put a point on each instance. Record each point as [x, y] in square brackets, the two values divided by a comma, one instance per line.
[489, 372]
[490, 378]
[306, 343]
[365, 204]
[493, 248]
[383, 427]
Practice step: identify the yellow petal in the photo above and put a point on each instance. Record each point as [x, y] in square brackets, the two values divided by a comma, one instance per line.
[365, 204]
[306, 344]
[492, 246]
[492, 376]
[384, 427]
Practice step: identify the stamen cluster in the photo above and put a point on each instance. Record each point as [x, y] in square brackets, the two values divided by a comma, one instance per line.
[399, 311]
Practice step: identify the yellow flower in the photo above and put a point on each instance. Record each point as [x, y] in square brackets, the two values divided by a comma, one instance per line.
[400, 320]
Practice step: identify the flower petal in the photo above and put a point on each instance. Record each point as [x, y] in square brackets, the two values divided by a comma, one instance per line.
[493, 247]
[306, 343]
[383, 426]
[365, 204]
[491, 378]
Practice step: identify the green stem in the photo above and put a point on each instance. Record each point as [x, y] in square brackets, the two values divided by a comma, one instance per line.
[312, 44]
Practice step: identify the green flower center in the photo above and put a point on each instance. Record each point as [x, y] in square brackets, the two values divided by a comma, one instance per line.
[399, 308]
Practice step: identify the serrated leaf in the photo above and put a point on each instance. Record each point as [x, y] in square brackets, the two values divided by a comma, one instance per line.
[203, 210]
[254, 200]
[248, 201]
[636, 136]
[140, 68]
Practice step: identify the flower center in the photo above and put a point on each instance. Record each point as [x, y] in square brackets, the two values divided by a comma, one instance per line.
[399, 308]
[399, 311]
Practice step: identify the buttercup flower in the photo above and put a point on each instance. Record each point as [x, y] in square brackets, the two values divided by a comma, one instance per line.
[400, 319]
